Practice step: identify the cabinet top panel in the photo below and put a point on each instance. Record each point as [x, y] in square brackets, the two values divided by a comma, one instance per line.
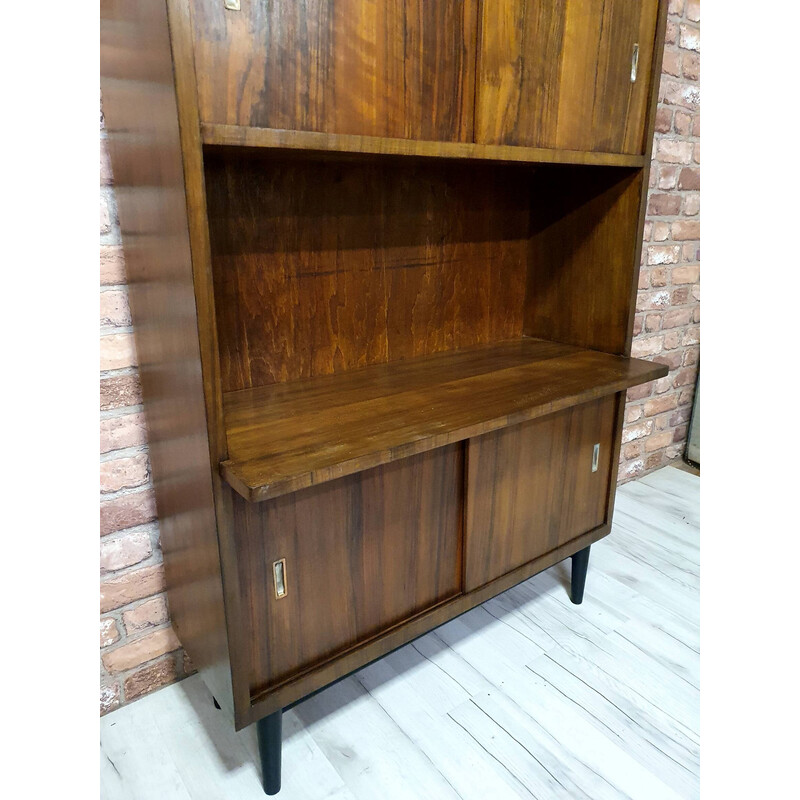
[286, 437]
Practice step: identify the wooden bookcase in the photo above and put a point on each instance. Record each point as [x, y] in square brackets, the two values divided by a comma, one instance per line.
[383, 261]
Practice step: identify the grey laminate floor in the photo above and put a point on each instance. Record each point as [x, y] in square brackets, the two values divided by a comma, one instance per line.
[525, 696]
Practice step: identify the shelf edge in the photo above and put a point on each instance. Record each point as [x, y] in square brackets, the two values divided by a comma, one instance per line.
[273, 138]
[305, 480]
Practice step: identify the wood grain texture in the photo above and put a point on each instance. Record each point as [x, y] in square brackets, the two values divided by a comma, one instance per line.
[285, 437]
[401, 69]
[139, 104]
[582, 266]
[323, 266]
[241, 136]
[362, 554]
[530, 488]
[557, 73]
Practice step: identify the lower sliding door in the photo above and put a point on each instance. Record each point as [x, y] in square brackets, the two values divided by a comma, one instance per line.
[535, 486]
[326, 568]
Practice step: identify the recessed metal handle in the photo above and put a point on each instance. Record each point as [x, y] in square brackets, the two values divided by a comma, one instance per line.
[634, 62]
[279, 574]
[595, 457]
[233, 5]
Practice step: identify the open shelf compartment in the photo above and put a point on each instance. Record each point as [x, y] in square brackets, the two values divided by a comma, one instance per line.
[289, 436]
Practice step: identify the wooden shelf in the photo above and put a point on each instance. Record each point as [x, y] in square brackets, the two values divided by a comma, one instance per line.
[241, 136]
[289, 436]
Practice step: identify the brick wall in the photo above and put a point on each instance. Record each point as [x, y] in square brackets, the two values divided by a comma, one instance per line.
[138, 649]
[666, 327]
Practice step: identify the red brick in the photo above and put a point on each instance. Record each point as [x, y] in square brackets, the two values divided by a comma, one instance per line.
[668, 177]
[652, 301]
[654, 461]
[671, 359]
[658, 405]
[127, 430]
[672, 339]
[661, 231]
[124, 551]
[647, 347]
[663, 120]
[696, 153]
[114, 309]
[671, 33]
[676, 7]
[662, 422]
[679, 434]
[637, 324]
[663, 254]
[188, 666]
[648, 231]
[683, 123]
[639, 392]
[680, 296]
[644, 279]
[632, 450]
[693, 10]
[152, 677]
[690, 37]
[109, 697]
[689, 274]
[628, 471]
[689, 179]
[106, 177]
[664, 205]
[674, 151]
[149, 614]
[112, 265]
[663, 385]
[691, 336]
[136, 508]
[686, 396]
[140, 651]
[696, 125]
[658, 441]
[123, 473]
[684, 377]
[652, 322]
[690, 251]
[105, 216]
[131, 586]
[109, 633]
[691, 205]
[658, 276]
[638, 431]
[676, 317]
[117, 351]
[632, 413]
[670, 66]
[120, 392]
[676, 93]
[696, 296]
[681, 415]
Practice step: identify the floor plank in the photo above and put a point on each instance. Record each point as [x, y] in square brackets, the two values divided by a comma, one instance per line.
[527, 696]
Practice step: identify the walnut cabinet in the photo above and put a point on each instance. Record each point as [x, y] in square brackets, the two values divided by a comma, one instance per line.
[382, 260]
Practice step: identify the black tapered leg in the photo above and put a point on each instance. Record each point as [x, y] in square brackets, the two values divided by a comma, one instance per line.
[580, 563]
[269, 748]
[216, 704]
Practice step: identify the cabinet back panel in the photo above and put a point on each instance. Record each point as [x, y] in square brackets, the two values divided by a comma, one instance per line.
[402, 69]
[325, 265]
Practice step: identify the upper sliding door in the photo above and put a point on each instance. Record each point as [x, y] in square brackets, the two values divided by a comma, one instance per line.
[566, 74]
[399, 68]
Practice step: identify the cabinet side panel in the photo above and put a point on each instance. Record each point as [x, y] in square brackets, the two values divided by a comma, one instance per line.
[583, 254]
[142, 121]
[399, 69]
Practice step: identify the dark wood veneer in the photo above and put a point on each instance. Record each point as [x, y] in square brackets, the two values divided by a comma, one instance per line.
[383, 261]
